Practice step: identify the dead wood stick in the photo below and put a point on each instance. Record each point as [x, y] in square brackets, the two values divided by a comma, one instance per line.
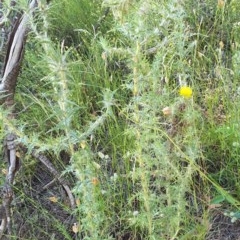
[8, 83]
[43, 159]
[15, 50]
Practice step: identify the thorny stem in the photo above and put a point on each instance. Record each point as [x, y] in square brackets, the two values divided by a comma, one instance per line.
[139, 159]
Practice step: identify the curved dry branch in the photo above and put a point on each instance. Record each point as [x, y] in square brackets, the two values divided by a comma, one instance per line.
[15, 51]
[14, 54]
[43, 159]
[10, 72]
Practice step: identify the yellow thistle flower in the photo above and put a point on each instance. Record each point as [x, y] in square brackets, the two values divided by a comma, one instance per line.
[185, 92]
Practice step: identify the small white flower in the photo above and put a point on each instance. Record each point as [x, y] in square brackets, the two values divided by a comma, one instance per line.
[114, 177]
[236, 144]
[103, 192]
[231, 214]
[101, 155]
[234, 219]
[135, 213]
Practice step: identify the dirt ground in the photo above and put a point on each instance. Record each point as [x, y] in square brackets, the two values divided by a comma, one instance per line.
[223, 229]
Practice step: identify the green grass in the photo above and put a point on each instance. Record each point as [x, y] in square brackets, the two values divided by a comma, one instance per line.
[98, 96]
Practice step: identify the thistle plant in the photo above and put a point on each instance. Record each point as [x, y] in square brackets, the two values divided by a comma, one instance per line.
[160, 182]
[136, 103]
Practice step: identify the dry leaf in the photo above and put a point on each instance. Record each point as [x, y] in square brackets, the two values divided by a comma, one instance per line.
[221, 44]
[167, 111]
[78, 202]
[104, 56]
[95, 181]
[221, 3]
[200, 55]
[101, 155]
[18, 154]
[96, 165]
[4, 171]
[213, 206]
[75, 228]
[83, 144]
[53, 199]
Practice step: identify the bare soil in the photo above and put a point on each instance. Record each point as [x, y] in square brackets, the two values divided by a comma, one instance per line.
[223, 229]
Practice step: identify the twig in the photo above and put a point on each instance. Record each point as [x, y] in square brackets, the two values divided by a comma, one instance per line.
[44, 160]
[3, 224]
[7, 86]
[15, 51]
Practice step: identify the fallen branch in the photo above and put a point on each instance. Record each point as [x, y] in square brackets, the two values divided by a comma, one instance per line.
[43, 159]
[14, 55]
[12, 64]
